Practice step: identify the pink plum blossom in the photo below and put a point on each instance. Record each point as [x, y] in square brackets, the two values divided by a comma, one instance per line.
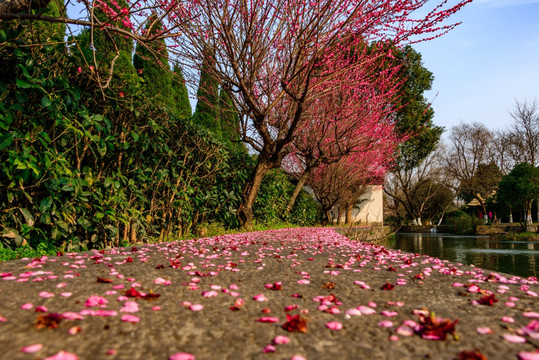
[62, 355]
[334, 325]
[514, 338]
[95, 300]
[181, 356]
[30, 349]
[130, 318]
[281, 339]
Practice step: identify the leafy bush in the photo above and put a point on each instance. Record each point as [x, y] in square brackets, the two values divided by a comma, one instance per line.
[306, 211]
[463, 224]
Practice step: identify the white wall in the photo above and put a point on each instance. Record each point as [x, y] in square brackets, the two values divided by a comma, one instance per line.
[370, 208]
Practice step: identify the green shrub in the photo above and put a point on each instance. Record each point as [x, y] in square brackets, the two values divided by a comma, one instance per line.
[463, 224]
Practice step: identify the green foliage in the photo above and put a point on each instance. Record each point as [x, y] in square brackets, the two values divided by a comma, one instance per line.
[273, 197]
[83, 166]
[182, 105]
[520, 187]
[306, 211]
[463, 224]
[415, 115]
[151, 62]
[26, 252]
[229, 122]
[80, 172]
[207, 109]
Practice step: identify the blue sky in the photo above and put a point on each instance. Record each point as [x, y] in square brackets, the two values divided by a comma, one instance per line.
[485, 64]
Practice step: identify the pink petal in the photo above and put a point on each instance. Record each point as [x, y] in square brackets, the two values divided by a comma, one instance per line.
[130, 306]
[66, 294]
[389, 313]
[30, 349]
[62, 355]
[260, 297]
[46, 294]
[69, 315]
[353, 312]
[208, 294]
[531, 314]
[267, 319]
[514, 338]
[365, 310]
[508, 319]
[269, 349]
[105, 313]
[523, 355]
[303, 282]
[280, 339]
[95, 300]
[27, 306]
[196, 307]
[42, 309]
[130, 318]
[156, 308]
[385, 323]
[394, 338]
[181, 356]
[484, 330]
[298, 357]
[74, 330]
[404, 331]
[334, 325]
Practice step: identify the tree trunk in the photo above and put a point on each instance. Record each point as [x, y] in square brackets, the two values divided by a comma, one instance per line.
[349, 208]
[296, 192]
[245, 211]
[529, 214]
[510, 215]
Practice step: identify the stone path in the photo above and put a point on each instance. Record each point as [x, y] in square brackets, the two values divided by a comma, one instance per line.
[287, 294]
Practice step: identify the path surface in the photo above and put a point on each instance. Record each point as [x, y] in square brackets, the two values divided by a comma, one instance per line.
[228, 298]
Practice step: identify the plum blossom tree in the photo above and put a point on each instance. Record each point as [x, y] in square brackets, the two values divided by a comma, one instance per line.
[339, 185]
[273, 57]
[351, 119]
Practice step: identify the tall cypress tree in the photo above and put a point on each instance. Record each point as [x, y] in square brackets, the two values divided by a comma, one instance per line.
[207, 109]
[151, 62]
[229, 122]
[182, 106]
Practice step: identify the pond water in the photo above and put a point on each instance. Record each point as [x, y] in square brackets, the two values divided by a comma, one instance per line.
[512, 257]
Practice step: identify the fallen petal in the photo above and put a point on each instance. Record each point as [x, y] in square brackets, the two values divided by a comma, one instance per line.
[334, 325]
[181, 356]
[523, 355]
[196, 307]
[30, 349]
[130, 318]
[281, 339]
[514, 338]
[484, 330]
[63, 355]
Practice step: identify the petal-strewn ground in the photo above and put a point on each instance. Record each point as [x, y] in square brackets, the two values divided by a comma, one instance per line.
[292, 293]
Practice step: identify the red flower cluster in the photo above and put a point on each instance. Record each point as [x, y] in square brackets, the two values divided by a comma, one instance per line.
[489, 300]
[388, 286]
[295, 324]
[432, 328]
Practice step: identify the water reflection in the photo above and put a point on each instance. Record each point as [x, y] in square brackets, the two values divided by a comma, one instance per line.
[512, 257]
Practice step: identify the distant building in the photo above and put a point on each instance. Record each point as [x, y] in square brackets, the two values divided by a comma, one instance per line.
[369, 208]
